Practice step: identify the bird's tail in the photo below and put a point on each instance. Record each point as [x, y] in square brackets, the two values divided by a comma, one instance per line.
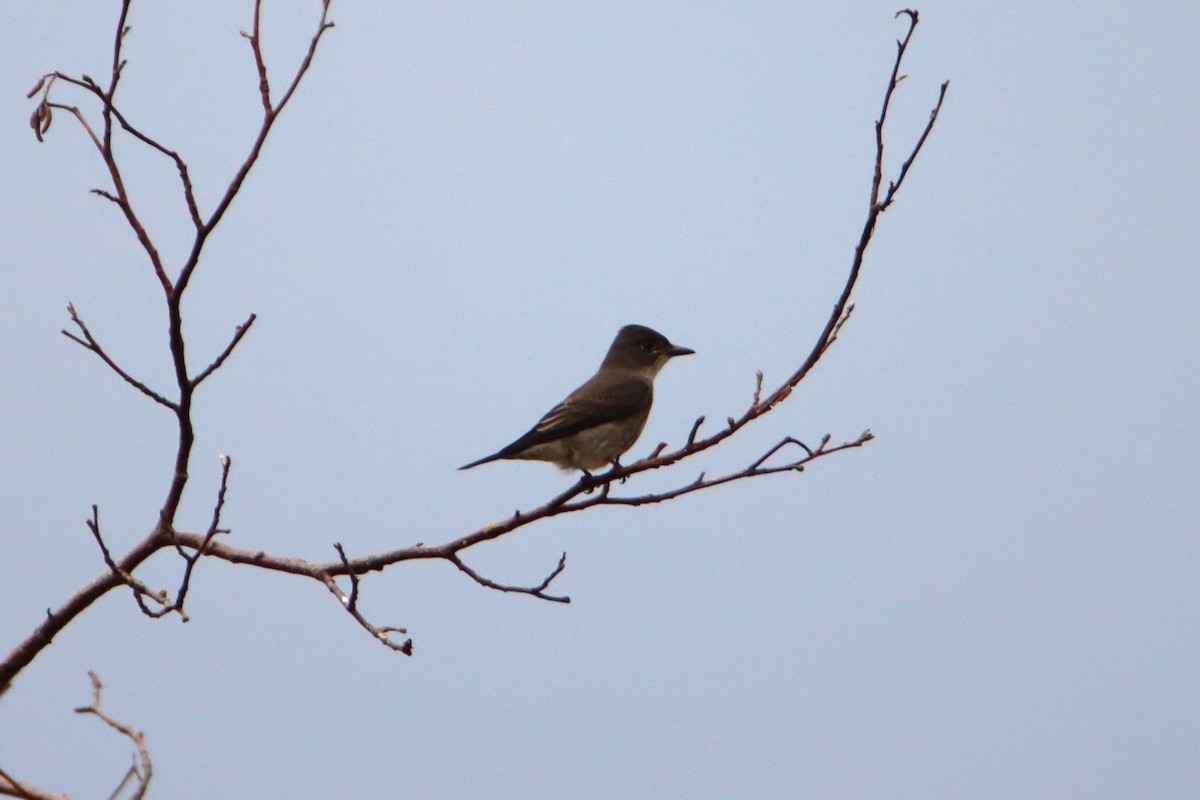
[484, 460]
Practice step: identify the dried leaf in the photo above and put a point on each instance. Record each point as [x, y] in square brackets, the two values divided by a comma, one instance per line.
[37, 119]
[41, 82]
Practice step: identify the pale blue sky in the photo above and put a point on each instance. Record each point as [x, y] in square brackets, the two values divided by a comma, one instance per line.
[996, 598]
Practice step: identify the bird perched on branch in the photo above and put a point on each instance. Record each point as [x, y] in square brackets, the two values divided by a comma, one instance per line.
[604, 417]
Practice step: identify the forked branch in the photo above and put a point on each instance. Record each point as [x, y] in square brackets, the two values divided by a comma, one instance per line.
[142, 769]
[137, 776]
[120, 572]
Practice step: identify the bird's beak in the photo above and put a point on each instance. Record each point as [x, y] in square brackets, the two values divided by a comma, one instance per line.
[676, 350]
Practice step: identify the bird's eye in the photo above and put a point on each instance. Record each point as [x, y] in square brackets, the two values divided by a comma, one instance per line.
[647, 346]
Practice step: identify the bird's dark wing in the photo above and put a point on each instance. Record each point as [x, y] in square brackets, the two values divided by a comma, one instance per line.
[602, 399]
[594, 403]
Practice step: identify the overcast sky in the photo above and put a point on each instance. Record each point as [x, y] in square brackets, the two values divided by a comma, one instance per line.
[995, 598]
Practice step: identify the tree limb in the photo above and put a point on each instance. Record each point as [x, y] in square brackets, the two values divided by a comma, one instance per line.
[89, 342]
[142, 769]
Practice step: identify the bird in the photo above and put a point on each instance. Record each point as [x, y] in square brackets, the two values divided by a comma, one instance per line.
[601, 419]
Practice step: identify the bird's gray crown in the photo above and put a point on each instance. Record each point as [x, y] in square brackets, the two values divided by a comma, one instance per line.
[641, 348]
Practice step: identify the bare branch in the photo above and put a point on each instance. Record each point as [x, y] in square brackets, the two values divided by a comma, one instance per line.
[578, 497]
[142, 769]
[785, 442]
[352, 601]
[37, 87]
[103, 142]
[118, 66]
[140, 590]
[120, 571]
[11, 787]
[324, 26]
[264, 85]
[74, 110]
[269, 116]
[912, 156]
[382, 634]
[833, 335]
[187, 385]
[88, 341]
[575, 498]
[189, 194]
[239, 332]
[57, 619]
[705, 483]
[89, 85]
[538, 591]
[107, 195]
[213, 529]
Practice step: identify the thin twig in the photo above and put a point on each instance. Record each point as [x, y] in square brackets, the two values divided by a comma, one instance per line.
[269, 116]
[214, 528]
[324, 26]
[352, 600]
[11, 787]
[189, 194]
[239, 332]
[143, 768]
[88, 341]
[89, 85]
[538, 591]
[139, 589]
[264, 85]
[908, 162]
[382, 634]
[779, 446]
[74, 110]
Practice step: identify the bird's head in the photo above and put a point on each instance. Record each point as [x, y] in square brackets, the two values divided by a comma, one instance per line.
[641, 349]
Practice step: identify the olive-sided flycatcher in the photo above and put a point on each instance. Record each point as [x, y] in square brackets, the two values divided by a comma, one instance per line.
[604, 417]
